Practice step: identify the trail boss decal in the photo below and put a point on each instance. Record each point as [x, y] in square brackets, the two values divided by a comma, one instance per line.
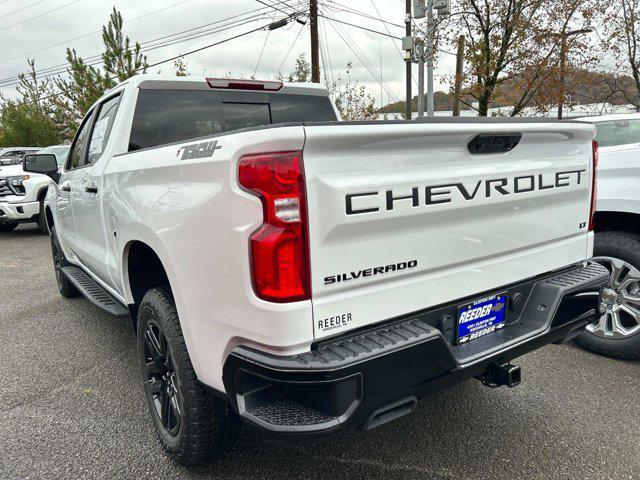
[199, 150]
[370, 202]
[368, 272]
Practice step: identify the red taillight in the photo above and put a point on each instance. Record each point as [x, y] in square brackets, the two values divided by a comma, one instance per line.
[594, 186]
[279, 248]
[239, 84]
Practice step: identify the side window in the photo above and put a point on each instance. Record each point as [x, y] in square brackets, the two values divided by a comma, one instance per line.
[75, 158]
[102, 129]
[301, 108]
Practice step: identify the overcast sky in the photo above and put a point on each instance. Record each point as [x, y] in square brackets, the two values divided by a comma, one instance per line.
[42, 29]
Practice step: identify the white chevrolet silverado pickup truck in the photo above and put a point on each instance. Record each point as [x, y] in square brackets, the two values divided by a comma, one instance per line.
[22, 195]
[305, 275]
[617, 236]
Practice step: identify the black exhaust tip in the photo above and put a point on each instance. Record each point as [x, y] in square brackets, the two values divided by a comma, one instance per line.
[502, 375]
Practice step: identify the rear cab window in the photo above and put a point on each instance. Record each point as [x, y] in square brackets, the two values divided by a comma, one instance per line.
[618, 132]
[166, 116]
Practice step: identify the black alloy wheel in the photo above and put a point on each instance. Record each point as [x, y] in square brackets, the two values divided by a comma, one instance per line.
[161, 380]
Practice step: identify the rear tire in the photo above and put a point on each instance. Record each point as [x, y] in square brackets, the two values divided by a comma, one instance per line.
[617, 333]
[7, 227]
[192, 425]
[42, 218]
[66, 288]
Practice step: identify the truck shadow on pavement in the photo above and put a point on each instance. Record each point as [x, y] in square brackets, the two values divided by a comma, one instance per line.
[72, 406]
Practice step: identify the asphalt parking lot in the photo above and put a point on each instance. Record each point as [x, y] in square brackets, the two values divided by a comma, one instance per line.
[71, 406]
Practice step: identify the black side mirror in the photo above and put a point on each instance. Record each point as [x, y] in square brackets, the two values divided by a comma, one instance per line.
[43, 163]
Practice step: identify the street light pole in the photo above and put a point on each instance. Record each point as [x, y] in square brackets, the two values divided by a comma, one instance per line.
[420, 48]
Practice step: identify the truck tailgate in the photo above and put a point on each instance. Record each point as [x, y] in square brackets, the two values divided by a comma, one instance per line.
[402, 216]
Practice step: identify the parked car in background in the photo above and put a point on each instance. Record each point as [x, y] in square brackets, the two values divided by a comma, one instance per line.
[60, 152]
[14, 155]
[22, 195]
[307, 275]
[617, 243]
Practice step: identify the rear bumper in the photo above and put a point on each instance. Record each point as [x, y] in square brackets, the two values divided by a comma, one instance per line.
[19, 211]
[369, 377]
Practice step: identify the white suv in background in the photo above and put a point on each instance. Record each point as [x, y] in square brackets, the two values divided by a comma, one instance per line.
[22, 195]
[617, 243]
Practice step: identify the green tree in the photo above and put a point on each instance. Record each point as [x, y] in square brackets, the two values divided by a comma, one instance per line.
[120, 60]
[86, 83]
[302, 70]
[83, 87]
[31, 119]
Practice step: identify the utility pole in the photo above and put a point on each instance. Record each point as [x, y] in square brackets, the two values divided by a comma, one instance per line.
[430, 33]
[420, 48]
[564, 36]
[426, 49]
[315, 58]
[457, 89]
[407, 45]
[563, 62]
[419, 12]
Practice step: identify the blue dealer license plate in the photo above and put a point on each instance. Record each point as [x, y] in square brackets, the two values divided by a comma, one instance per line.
[481, 317]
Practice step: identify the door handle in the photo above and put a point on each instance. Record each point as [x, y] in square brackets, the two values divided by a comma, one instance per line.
[66, 186]
[91, 188]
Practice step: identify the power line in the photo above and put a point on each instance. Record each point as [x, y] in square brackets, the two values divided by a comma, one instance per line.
[360, 27]
[21, 9]
[325, 42]
[190, 52]
[264, 45]
[208, 46]
[323, 61]
[377, 32]
[4, 29]
[290, 48]
[353, 11]
[293, 9]
[97, 59]
[272, 6]
[360, 55]
[92, 33]
[394, 43]
[149, 45]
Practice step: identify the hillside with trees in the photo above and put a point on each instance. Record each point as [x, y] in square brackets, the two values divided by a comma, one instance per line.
[582, 87]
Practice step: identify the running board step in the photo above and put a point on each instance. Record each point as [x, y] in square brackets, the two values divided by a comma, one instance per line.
[94, 292]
